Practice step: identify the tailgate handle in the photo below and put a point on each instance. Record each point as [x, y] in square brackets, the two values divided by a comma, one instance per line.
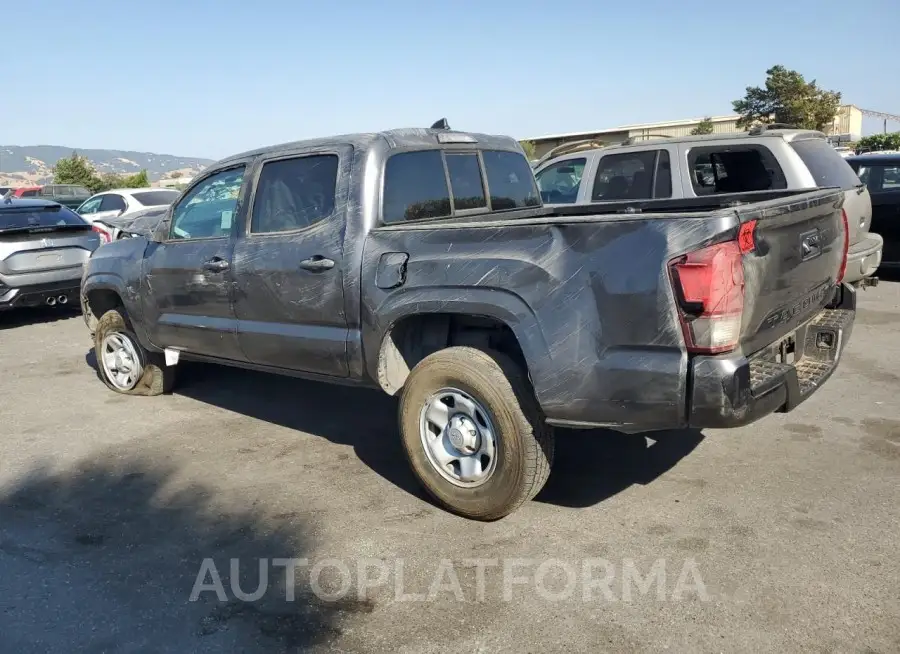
[317, 263]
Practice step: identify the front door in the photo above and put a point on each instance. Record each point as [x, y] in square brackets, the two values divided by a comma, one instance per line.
[288, 265]
[189, 276]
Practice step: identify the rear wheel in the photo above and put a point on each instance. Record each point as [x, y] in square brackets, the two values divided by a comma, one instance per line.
[123, 364]
[474, 433]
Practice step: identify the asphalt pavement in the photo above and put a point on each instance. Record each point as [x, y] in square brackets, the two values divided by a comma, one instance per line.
[171, 524]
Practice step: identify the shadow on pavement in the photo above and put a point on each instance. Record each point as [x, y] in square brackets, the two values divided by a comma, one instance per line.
[105, 556]
[590, 466]
[362, 418]
[13, 318]
[593, 465]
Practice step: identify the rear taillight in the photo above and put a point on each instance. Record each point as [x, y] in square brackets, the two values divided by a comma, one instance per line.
[104, 235]
[843, 269]
[709, 287]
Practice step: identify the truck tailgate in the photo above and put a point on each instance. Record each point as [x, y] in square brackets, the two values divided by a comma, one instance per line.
[790, 274]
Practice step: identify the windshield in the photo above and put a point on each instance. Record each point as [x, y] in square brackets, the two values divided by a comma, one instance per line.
[827, 167]
[38, 217]
[156, 198]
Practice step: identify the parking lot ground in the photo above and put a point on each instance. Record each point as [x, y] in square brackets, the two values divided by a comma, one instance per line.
[781, 536]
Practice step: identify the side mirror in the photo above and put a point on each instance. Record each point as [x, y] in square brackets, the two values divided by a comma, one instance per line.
[161, 232]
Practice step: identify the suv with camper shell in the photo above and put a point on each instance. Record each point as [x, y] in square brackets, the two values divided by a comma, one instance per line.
[765, 158]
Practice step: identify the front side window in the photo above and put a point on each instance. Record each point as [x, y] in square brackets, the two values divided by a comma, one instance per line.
[91, 206]
[879, 177]
[293, 194]
[112, 202]
[207, 210]
[559, 182]
[734, 169]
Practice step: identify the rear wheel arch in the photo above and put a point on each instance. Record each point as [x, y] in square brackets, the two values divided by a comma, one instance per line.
[413, 337]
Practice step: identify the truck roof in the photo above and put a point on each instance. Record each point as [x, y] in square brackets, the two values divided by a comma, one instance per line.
[412, 137]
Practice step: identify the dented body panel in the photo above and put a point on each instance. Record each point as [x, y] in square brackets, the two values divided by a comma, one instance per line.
[587, 294]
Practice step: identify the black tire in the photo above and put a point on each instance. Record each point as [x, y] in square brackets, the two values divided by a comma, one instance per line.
[158, 378]
[525, 441]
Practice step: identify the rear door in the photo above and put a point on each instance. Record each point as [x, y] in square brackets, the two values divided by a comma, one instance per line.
[188, 276]
[289, 267]
[791, 272]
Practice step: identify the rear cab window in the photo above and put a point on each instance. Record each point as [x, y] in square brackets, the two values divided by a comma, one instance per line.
[737, 168]
[827, 167]
[435, 183]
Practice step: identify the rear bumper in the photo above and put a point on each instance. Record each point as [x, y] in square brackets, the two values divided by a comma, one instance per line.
[863, 258]
[733, 390]
[38, 294]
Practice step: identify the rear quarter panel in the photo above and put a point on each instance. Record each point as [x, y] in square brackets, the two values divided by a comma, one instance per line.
[589, 301]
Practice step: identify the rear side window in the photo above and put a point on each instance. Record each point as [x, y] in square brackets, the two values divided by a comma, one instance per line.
[734, 169]
[293, 194]
[36, 217]
[417, 185]
[30, 193]
[112, 202]
[879, 177]
[828, 168]
[633, 176]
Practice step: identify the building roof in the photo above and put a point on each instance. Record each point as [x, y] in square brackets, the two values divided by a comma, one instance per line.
[626, 128]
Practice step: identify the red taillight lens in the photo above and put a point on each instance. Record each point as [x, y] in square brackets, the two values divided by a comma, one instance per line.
[709, 286]
[843, 269]
[104, 235]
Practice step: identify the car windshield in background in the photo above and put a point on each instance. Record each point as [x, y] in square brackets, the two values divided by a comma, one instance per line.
[156, 198]
[15, 218]
[828, 168]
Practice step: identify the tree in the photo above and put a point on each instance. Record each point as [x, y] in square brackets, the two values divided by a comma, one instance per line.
[787, 98]
[889, 141]
[78, 170]
[75, 170]
[704, 127]
[530, 149]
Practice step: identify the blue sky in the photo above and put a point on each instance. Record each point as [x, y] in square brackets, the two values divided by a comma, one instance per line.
[210, 78]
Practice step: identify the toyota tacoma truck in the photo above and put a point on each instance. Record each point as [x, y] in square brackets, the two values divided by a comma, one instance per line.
[422, 261]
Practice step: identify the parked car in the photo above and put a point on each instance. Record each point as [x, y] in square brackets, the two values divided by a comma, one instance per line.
[68, 195]
[43, 246]
[102, 208]
[697, 166]
[422, 262]
[880, 172]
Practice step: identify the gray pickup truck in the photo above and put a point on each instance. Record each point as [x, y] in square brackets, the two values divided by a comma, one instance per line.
[422, 261]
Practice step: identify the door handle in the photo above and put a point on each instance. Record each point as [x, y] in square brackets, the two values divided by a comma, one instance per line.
[216, 265]
[317, 263]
